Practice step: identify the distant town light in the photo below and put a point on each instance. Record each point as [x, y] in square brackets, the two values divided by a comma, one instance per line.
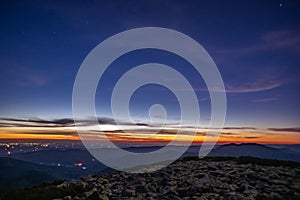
[79, 164]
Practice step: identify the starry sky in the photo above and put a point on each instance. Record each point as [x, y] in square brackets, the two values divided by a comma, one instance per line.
[255, 44]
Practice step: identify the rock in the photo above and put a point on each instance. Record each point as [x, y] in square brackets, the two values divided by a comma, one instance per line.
[222, 180]
[103, 197]
[89, 193]
[141, 189]
[212, 168]
[64, 184]
[128, 192]
[275, 196]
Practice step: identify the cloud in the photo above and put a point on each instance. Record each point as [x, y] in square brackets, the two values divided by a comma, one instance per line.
[15, 122]
[257, 86]
[281, 39]
[64, 122]
[239, 128]
[297, 130]
[63, 128]
[252, 137]
[264, 100]
[252, 87]
[262, 76]
[49, 132]
[269, 41]
[203, 99]
[229, 133]
[267, 79]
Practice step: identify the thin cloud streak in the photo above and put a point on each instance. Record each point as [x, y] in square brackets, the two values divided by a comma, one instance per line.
[264, 100]
[296, 130]
[260, 82]
[269, 41]
[245, 88]
[251, 87]
[252, 137]
[239, 128]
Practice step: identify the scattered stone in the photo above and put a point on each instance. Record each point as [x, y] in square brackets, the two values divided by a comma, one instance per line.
[198, 179]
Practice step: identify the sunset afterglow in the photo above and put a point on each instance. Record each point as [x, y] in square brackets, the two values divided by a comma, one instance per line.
[148, 135]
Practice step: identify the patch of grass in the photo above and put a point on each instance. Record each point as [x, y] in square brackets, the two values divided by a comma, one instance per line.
[45, 192]
[219, 158]
[266, 162]
[244, 160]
[195, 158]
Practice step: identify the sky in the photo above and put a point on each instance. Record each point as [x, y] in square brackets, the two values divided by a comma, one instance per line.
[255, 45]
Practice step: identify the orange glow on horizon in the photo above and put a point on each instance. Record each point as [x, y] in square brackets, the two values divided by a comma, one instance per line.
[230, 136]
[38, 136]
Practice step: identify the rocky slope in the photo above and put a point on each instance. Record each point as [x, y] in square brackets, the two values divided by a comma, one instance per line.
[184, 179]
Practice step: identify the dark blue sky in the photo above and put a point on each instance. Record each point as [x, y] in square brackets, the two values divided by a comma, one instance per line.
[255, 44]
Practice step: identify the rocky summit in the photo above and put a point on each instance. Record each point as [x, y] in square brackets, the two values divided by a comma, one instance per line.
[189, 179]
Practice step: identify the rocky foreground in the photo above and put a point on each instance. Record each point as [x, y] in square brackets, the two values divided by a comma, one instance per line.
[185, 179]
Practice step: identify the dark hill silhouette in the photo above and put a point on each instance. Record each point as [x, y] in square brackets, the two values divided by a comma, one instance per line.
[255, 150]
[18, 174]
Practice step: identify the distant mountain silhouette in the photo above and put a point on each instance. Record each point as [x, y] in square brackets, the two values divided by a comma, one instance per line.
[67, 157]
[255, 150]
[64, 158]
[16, 173]
[294, 148]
